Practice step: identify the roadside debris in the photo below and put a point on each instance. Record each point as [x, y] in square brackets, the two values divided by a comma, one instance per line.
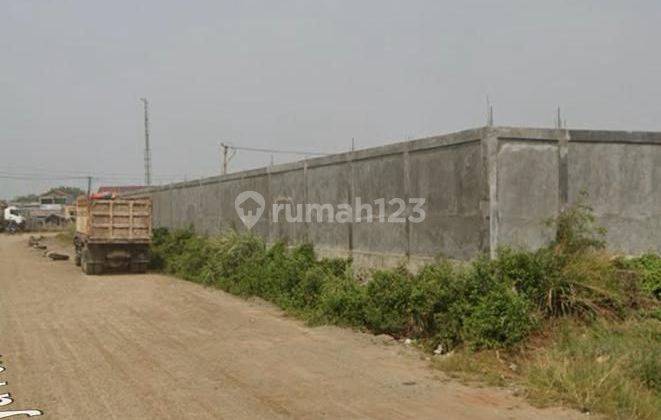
[56, 256]
[34, 240]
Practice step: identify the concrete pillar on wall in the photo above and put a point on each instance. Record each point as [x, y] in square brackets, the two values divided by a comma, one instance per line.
[351, 188]
[199, 214]
[269, 205]
[407, 196]
[306, 199]
[171, 194]
[490, 157]
[563, 154]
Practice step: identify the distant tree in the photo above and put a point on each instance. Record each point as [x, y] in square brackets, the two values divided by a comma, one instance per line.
[72, 192]
[26, 198]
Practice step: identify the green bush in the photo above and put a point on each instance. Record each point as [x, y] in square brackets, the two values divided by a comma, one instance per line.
[388, 307]
[339, 267]
[234, 262]
[648, 268]
[577, 230]
[501, 318]
[558, 284]
[157, 257]
[342, 302]
[435, 290]
[308, 291]
[190, 262]
[443, 297]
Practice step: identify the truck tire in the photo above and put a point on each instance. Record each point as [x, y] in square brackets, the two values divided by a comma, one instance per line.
[90, 267]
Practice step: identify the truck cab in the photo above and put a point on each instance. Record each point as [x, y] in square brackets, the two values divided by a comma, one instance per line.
[12, 220]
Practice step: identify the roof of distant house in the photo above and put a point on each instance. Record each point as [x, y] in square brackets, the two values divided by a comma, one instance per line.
[55, 193]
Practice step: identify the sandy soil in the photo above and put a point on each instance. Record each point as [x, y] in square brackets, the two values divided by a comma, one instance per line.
[151, 346]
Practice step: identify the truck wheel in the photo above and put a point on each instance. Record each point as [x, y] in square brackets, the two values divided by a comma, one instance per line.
[87, 269]
[90, 268]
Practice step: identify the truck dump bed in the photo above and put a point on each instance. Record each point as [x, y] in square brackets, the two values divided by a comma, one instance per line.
[118, 221]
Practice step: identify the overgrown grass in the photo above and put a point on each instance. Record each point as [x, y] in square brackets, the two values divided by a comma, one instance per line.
[607, 361]
[607, 367]
[613, 368]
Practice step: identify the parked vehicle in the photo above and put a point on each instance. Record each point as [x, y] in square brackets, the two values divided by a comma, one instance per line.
[112, 234]
[11, 220]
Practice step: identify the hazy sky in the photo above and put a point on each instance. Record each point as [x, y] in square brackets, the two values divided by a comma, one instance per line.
[304, 75]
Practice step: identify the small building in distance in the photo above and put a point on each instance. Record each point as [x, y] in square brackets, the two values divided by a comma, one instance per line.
[54, 210]
[55, 200]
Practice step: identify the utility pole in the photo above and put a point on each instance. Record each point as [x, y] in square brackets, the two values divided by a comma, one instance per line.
[558, 120]
[353, 144]
[145, 102]
[228, 154]
[89, 186]
[225, 148]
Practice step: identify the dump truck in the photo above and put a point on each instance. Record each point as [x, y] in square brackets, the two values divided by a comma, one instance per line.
[112, 234]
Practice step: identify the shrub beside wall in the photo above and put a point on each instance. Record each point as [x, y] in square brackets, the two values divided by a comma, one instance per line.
[489, 303]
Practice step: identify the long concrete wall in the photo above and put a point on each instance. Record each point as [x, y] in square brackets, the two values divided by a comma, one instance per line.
[483, 187]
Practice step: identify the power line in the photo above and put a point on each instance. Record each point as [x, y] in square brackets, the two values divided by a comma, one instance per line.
[97, 179]
[229, 150]
[287, 152]
[21, 177]
[73, 174]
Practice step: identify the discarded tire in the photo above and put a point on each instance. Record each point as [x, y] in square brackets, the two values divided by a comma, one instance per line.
[55, 256]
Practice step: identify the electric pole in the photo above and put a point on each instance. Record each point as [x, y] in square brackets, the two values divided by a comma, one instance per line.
[558, 120]
[89, 186]
[145, 102]
[228, 154]
[225, 152]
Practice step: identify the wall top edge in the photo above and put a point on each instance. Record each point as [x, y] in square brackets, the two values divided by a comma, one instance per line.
[455, 138]
[579, 135]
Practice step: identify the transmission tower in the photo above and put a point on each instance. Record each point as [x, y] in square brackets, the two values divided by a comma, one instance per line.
[145, 102]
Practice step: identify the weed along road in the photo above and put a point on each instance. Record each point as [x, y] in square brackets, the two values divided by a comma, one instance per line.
[155, 347]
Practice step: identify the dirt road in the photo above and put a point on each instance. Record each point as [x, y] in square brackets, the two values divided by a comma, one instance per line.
[151, 346]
